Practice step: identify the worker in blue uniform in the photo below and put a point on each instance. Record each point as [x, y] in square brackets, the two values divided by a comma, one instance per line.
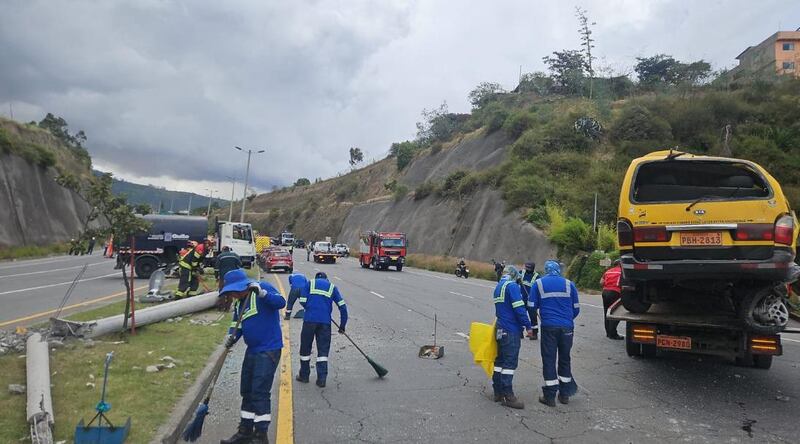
[297, 282]
[556, 299]
[528, 277]
[256, 316]
[512, 320]
[318, 298]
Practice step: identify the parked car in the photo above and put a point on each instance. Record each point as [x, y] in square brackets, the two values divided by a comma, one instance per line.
[299, 243]
[341, 250]
[279, 260]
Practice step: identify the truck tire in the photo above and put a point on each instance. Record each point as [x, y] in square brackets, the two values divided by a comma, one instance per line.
[145, 266]
[762, 361]
[649, 351]
[363, 265]
[633, 301]
[764, 311]
[399, 267]
[633, 349]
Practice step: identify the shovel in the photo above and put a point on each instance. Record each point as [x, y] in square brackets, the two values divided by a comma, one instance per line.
[432, 351]
[100, 434]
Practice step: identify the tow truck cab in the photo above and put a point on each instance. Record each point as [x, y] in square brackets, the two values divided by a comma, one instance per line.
[237, 236]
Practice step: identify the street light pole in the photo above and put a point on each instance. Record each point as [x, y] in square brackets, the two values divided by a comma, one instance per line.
[246, 178]
[233, 188]
[210, 198]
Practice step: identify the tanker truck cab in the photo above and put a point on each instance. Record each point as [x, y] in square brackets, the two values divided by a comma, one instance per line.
[239, 237]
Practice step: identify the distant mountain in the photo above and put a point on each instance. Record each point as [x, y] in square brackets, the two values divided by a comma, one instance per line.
[154, 196]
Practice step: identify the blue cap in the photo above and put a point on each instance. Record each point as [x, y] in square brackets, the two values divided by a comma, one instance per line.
[321, 275]
[235, 280]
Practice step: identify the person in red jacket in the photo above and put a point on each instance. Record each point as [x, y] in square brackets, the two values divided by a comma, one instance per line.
[611, 294]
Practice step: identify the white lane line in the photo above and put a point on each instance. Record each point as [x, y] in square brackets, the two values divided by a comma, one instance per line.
[377, 294]
[48, 271]
[56, 285]
[591, 305]
[392, 278]
[30, 263]
[459, 294]
[451, 279]
[790, 340]
[463, 335]
[337, 278]
[315, 268]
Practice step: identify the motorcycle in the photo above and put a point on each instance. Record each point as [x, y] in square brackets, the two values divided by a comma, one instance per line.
[462, 271]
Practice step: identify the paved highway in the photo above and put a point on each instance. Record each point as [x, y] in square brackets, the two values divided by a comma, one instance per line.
[674, 398]
[30, 290]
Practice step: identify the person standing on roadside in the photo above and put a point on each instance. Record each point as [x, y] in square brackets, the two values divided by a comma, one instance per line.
[611, 293]
[556, 298]
[512, 321]
[528, 278]
[225, 262]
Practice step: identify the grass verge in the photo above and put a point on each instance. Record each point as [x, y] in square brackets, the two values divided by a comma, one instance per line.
[447, 264]
[146, 397]
[32, 251]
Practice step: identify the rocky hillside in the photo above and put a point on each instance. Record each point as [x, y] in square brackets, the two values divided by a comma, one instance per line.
[36, 210]
[477, 224]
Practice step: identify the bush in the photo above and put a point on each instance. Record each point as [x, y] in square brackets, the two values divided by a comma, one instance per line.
[638, 123]
[556, 216]
[404, 152]
[400, 192]
[606, 237]
[518, 122]
[450, 185]
[5, 143]
[585, 270]
[424, 190]
[573, 236]
[347, 188]
[538, 217]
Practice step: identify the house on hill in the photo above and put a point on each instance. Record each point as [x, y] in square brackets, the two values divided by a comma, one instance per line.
[778, 55]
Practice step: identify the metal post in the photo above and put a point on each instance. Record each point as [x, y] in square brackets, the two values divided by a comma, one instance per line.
[233, 188]
[246, 178]
[133, 303]
[210, 198]
[594, 219]
[189, 208]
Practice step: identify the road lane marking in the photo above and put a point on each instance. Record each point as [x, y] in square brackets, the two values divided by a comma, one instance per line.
[463, 335]
[49, 271]
[378, 295]
[68, 307]
[790, 340]
[317, 269]
[56, 285]
[451, 279]
[464, 295]
[591, 305]
[30, 263]
[337, 278]
[285, 431]
[392, 278]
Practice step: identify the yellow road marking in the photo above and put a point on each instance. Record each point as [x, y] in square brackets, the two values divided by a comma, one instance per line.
[68, 307]
[285, 432]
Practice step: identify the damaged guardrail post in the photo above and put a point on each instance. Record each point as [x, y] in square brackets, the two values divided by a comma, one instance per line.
[150, 315]
[40, 403]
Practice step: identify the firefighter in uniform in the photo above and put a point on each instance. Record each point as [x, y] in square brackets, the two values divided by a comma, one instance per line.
[297, 283]
[512, 320]
[190, 264]
[528, 278]
[556, 298]
[256, 316]
[318, 298]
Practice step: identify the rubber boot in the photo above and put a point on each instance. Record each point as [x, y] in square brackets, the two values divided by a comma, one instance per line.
[512, 401]
[563, 399]
[260, 437]
[498, 398]
[242, 436]
[547, 401]
[321, 383]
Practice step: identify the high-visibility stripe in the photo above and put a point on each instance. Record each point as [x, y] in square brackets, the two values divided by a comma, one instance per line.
[263, 418]
[507, 371]
[341, 303]
[551, 383]
[498, 369]
[305, 358]
[502, 296]
[564, 379]
[234, 324]
[517, 304]
[576, 305]
[247, 415]
[252, 310]
[322, 359]
[314, 290]
[302, 299]
[556, 294]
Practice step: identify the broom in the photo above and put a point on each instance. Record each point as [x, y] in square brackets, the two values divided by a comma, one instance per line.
[378, 368]
[194, 429]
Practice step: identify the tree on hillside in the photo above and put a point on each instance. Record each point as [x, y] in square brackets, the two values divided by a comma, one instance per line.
[356, 156]
[587, 43]
[662, 69]
[484, 93]
[59, 128]
[142, 209]
[567, 69]
[301, 182]
[404, 152]
[537, 82]
[438, 125]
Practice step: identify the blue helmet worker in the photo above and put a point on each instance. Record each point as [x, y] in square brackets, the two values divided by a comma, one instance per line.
[256, 316]
[512, 320]
[556, 298]
[528, 277]
[297, 283]
[318, 298]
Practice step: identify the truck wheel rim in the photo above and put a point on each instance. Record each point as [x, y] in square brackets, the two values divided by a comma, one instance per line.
[773, 310]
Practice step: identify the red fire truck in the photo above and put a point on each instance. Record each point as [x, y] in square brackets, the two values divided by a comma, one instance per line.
[382, 250]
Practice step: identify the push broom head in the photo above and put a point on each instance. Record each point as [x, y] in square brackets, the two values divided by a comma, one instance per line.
[195, 428]
[378, 368]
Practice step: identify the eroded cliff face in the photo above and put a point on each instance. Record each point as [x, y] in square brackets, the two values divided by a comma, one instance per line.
[478, 226]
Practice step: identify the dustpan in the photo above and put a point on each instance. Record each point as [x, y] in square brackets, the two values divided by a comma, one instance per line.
[100, 433]
[432, 351]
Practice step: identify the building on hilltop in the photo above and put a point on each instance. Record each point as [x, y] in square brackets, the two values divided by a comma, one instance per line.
[778, 55]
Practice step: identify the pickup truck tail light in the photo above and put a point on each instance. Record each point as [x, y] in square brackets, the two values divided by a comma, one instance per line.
[651, 234]
[745, 232]
[765, 345]
[624, 233]
[784, 230]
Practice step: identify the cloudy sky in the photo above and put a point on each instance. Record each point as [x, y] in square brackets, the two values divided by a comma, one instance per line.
[165, 89]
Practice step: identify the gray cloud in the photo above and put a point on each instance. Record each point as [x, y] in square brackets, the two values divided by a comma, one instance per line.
[165, 89]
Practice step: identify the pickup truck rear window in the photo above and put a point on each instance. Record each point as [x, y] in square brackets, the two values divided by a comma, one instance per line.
[690, 180]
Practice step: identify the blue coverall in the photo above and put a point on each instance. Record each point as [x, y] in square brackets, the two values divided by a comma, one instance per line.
[318, 298]
[527, 281]
[512, 319]
[261, 328]
[296, 282]
[556, 298]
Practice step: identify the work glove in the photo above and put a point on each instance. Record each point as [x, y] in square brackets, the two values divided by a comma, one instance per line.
[341, 330]
[288, 315]
[529, 333]
[230, 340]
[261, 291]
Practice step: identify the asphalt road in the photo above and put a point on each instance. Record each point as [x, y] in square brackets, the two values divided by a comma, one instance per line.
[671, 398]
[31, 289]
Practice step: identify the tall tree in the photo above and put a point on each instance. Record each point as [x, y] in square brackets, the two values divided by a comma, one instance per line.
[356, 156]
[587, 43]
[567, 68]
[484, 93]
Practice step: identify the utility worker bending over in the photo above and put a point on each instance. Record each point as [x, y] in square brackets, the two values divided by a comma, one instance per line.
[297, 282]
[528, 278]
[556, 299]
[190, 264]
[512, 319]
[256, 314]
[611, 293]
[318, 298]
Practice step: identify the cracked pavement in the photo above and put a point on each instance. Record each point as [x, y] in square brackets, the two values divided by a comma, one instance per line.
[672, 398]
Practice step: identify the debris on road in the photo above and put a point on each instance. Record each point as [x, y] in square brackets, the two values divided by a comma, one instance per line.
[16, 389]
[152, 369]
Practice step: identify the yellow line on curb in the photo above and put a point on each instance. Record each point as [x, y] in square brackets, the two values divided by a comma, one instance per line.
[285, 431]
[68, 307]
